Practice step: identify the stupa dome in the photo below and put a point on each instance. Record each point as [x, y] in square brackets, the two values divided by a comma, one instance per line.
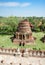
[24, 26]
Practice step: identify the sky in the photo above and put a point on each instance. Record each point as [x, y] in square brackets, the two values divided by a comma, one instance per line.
[22, 8]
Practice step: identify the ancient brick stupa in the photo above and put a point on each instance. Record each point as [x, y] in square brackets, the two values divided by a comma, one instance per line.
[23, 34]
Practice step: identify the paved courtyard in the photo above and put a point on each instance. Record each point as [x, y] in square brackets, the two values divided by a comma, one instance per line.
[15, 60]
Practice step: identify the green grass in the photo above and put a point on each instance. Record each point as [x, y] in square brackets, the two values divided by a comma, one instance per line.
[5, 42]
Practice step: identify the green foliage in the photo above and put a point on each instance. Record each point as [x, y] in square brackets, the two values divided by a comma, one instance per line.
[6, 42]
[9, 24]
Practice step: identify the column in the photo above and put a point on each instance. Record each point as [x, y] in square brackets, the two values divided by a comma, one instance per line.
[29, 36]
[25, 36]
[18, 35]
[22, 36]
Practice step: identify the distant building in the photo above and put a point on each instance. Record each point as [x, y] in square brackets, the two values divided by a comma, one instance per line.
[23, 34]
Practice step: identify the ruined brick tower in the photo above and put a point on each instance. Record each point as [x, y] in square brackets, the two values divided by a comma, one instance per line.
[23, 34]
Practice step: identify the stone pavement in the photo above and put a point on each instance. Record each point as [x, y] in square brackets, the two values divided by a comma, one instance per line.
[18, 60]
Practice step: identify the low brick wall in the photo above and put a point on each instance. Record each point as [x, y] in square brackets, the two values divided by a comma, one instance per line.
[22, 52]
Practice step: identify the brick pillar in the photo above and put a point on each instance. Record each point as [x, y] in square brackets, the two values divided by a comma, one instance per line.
[22, 36]
[29, 36]
[18, 35]
[25, 36]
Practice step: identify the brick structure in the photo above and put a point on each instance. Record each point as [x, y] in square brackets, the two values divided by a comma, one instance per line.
[23, 34]
[43, 39]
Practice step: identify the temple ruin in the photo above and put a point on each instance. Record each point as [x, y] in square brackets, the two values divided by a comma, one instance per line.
[23, 34]
[43, 39]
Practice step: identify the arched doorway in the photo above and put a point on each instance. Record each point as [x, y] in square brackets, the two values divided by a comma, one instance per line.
[23, 44]
[20, 44]
[20, 36]
[23, 36]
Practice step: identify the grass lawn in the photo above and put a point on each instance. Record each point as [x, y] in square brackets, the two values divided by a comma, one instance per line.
[5, 42]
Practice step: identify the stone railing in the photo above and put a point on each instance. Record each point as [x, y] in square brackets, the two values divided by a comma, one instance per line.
[23, 52]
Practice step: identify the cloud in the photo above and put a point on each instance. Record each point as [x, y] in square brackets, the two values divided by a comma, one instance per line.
[14, 4]
[9, 4]
[25, 4]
